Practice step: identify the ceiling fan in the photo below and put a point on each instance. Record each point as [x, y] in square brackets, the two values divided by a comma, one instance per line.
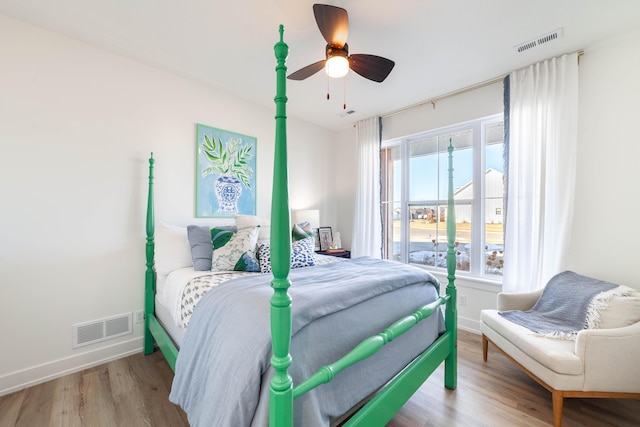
[333, 23]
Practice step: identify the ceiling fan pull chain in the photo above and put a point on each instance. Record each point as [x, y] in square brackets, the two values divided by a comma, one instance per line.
[344, 95]
[328, 84]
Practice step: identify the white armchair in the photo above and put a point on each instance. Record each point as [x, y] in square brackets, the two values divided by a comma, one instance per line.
[599, 363]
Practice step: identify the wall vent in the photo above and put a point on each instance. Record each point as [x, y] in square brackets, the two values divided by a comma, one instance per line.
[102, 329]
[545, 38]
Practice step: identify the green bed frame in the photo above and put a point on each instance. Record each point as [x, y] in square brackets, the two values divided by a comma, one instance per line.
[381, 408]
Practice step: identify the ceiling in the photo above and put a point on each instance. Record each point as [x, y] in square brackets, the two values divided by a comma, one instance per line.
[439, 46]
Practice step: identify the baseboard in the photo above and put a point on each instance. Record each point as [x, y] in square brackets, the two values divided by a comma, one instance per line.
[469, 325]
[19, 380]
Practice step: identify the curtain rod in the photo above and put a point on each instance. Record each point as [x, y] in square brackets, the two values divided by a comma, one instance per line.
[432, 101]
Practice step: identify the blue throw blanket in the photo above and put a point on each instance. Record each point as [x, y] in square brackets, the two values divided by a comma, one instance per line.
[225, 352]
[563, 306]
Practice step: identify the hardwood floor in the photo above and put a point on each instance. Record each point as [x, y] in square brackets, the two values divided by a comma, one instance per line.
[133, 392]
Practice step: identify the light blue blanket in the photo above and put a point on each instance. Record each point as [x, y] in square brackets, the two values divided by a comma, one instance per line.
[223, 369]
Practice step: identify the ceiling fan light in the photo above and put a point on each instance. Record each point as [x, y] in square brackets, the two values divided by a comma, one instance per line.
[337, 66]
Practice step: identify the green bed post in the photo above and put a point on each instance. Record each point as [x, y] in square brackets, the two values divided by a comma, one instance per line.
[281, 391]
[451, 316]
[149, 280]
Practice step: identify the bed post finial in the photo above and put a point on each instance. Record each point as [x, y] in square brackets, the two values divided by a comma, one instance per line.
[281, 390]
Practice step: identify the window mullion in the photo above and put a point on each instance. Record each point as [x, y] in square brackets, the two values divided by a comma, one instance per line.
[404, 202]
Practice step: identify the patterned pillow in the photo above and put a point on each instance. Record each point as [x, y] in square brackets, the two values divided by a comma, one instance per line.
[302, 255]
[301, 231]
[220, 237]
[234, 251]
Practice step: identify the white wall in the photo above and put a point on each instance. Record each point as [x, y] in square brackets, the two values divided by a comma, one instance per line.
[606, 234]
[607, 172]
[484, 101]
[77, 125]
[345, 174]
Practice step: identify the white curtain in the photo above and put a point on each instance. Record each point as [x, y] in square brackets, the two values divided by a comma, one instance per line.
[367, 225]
[541, 173]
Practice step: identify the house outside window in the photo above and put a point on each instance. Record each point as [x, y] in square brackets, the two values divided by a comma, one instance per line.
[414, 197]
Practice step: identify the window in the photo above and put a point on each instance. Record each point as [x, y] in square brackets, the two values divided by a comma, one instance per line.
[414, 197]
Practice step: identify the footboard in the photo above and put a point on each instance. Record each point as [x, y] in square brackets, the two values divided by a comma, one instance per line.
[391, 398]
[396, 393]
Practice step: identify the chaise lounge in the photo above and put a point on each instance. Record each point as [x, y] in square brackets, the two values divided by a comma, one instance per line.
[595, 363]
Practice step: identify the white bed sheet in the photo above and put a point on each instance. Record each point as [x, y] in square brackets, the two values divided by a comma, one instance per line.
[171, 296]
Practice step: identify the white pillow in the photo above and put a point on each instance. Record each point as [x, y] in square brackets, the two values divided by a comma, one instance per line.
[247, 221]
[172, 249]
[622, 309]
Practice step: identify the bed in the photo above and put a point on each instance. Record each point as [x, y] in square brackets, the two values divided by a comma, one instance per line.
[337, 340]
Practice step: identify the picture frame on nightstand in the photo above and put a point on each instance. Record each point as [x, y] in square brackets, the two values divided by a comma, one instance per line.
[326, 238]
[316, 238]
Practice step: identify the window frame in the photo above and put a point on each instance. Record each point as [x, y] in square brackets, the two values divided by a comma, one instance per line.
[478, 234]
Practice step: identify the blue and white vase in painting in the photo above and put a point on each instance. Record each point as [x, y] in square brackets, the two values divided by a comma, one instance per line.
[228, 191]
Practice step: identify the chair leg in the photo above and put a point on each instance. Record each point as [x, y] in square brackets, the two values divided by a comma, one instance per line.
[557, 399]
[485, 347]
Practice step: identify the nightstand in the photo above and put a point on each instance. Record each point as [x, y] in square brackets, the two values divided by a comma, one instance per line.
[345, 254]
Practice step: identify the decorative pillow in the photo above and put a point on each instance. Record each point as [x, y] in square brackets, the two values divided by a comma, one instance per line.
[302, 255]
[301, 231]
[246, 221]
[200, 239]
[172, 250]
[201, 248]
[219, 237]
[617, 308]
[237, 253]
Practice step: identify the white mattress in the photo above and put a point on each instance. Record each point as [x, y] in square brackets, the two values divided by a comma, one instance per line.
[166, 320]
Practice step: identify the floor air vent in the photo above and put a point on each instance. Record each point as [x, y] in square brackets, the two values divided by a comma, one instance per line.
[102, 329]
[545, 38]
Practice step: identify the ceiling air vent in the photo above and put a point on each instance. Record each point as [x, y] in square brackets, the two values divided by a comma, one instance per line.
[545, 38]
[346, 113]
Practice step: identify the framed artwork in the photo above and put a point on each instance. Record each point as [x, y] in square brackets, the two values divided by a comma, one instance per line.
[316, 239]
[326, 239]
[225, 173]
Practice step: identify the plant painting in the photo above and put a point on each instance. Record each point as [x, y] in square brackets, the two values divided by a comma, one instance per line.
[225, 175]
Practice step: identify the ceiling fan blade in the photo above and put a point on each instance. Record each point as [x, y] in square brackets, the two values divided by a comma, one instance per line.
[333, 23]
[371, 67]
[307, 71]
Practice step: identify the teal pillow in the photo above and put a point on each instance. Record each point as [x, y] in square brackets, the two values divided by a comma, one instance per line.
[234, 251]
